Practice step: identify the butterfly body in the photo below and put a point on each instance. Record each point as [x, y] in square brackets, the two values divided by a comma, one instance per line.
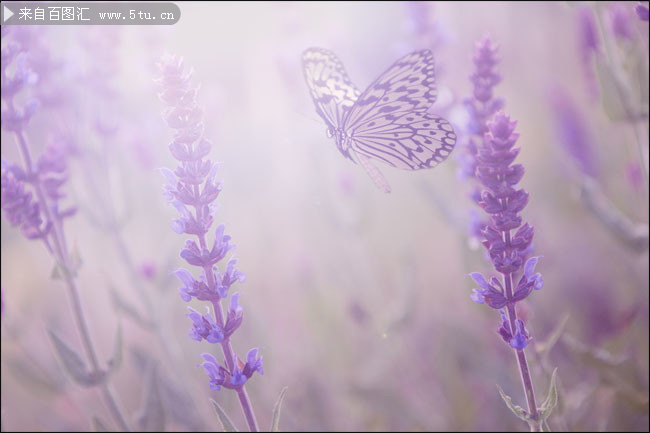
[389, 120]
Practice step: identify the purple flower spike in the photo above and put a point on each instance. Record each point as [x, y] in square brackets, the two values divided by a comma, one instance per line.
[192, 190]
[480, 108]
[503, 201]
[505, 235]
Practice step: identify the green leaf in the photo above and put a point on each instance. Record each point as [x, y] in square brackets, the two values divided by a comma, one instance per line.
[98, 425]
[275, 424]
[152, 415]
[551, 399]
[73, 364]
[227, 424]
[517, 410]
[116, 361]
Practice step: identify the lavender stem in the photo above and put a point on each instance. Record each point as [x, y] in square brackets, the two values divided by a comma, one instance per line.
[521, 356]
[62, 256]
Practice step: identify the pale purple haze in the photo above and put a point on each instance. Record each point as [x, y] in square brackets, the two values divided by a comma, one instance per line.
[358, 301]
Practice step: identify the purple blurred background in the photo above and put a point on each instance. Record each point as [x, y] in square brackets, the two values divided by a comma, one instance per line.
[359, 300]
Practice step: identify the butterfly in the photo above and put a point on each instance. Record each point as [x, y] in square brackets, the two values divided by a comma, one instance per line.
[389, 121]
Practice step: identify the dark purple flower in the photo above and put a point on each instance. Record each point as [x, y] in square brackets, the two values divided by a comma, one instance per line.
[504, 329]
[195, 288]
[215, 371]
[641, 10]
[521, 338]
[207, 258]
[235, 315]
[205, 328]
[221, 376]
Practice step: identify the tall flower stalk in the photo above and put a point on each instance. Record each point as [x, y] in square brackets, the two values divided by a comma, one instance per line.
[507, 238]
[481, 106]
[192, 190]
[30, 197]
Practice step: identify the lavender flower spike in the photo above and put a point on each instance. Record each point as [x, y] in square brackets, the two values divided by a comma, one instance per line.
[480, 107]
[507, 239]
[192, 189]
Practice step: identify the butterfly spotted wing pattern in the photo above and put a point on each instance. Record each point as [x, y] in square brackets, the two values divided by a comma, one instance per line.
[389, 120]
[331, 89]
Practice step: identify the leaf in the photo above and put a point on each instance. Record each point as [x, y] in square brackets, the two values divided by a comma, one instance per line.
[275, 424]
[226, 423]
[179, 404]
[34, 377]
[116, 361]
[517, 410]
[152, 414]
[551, 398]
[98, 425]
[73, 364]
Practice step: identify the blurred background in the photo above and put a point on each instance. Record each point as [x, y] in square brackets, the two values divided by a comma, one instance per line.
[359, 300]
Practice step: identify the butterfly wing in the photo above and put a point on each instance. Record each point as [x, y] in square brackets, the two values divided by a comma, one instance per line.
[331, 89]
[389, 121]
[411, 141]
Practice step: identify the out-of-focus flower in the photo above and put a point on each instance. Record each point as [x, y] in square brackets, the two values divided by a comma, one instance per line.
[19, 207]
[634, 174]
[588, 31]
[572, 132]
[148, 270]
[641, 10]
[620, 18]
[480, 107]
[588, 46]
